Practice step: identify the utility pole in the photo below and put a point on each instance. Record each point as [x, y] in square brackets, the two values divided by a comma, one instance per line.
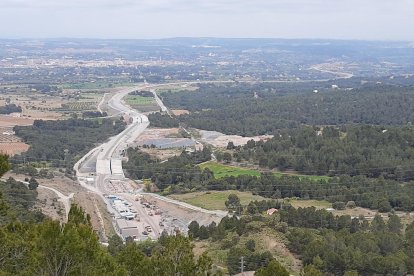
[242, 265]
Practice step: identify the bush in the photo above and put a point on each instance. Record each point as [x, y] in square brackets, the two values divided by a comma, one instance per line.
[339, 205]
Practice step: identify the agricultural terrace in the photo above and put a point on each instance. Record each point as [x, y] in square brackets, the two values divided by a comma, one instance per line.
[79, 106]
[221, 170]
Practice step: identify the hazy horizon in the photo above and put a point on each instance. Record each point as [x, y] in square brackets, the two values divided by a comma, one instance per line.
[156, 19]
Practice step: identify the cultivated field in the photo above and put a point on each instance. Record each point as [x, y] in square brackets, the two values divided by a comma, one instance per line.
[143, 104]
[13, 148]
[10, 121]
[214, 200]
[79, 106]
[10, 144]
[35, 105]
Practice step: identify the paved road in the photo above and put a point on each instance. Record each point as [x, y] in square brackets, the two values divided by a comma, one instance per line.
[109, 165]
[159, 102]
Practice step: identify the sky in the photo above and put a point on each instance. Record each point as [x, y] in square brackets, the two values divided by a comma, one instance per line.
[141, 19]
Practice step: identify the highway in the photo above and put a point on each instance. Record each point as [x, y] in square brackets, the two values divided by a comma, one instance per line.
[109, 172]
[106, 152]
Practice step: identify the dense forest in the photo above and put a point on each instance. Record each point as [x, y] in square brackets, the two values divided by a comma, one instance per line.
[158, 119]
[326, 243]
[178, 172]
[62, 142]
[352, 150]
[263, 110]
[51, 248]
[375, 248]
[180, 175]
[17, 202]
[10, 108]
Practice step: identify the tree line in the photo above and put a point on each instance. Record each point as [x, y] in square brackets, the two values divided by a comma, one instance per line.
[62, 142]
[30, 244]
[375, 248]
[178, 173]
[373, 151]
[159, 119]
[181, 174]
[10, 108]
[272, 109]
[326, 243]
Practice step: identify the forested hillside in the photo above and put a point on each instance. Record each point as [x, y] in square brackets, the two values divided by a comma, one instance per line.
[352, 150]
[326, 243]
[62, 142]
[33, 245]
[180, 175]
[236, 109]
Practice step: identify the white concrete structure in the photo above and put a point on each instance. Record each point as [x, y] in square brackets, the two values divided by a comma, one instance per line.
[127, 228]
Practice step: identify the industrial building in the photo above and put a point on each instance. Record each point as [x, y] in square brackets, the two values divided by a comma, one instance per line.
[127, 228]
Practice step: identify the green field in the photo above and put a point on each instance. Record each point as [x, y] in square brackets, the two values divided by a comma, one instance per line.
[221, 170]
[143, 104]
[139, 100]
[318, 204]
[175, 88]
[214, 200]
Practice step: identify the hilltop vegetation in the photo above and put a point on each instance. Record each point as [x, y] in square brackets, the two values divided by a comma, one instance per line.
[158, 119]
[182, 175]
[33, 245]
[10, 108]
[273, 109]
[326, 243]
[352, 150]
[62, 142]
